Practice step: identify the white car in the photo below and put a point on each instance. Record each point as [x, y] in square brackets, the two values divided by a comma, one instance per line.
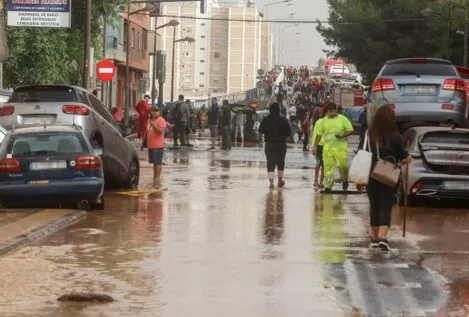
[3, 132]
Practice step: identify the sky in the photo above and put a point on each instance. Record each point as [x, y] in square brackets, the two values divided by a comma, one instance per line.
[310, 46]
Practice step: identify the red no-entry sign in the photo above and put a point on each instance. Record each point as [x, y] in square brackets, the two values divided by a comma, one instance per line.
[105, 70]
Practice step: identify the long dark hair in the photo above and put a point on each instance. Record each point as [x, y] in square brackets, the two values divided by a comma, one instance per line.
[383, 126]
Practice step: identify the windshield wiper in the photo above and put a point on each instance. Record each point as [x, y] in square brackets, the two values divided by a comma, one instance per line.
[32, 99]
[405, 72]
[42, 152]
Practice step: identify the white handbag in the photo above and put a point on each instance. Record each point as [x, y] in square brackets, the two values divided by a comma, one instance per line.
[360, 168]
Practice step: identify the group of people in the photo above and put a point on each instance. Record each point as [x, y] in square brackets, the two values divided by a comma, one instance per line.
[330, 146]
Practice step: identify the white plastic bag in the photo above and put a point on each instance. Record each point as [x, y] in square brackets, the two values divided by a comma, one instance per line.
[359, 172]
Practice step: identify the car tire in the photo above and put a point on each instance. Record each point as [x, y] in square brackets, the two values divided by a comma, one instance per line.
[133, 177]
[98, 205]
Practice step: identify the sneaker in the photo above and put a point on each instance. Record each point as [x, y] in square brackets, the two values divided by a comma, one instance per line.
[384, 245]
[212, 149]
[328, 190]
[374, 244]
[345, 186]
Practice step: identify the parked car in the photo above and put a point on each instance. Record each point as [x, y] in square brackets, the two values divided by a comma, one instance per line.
[353, 114]
[51, 163]
[71, 105]
[423, 92]
[440, 165]
[4, 96]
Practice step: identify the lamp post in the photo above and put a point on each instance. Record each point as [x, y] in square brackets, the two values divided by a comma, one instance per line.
[147, 8]
[186, 39]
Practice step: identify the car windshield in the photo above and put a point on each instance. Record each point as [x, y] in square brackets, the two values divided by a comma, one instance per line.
[46, 143]
[44, 94]
[429, 69]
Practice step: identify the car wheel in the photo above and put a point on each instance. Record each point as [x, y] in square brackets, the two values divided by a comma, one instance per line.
[98, 205]
[133, 177]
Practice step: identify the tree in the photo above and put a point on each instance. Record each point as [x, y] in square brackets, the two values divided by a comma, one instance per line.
[49, 55]
[369, 32]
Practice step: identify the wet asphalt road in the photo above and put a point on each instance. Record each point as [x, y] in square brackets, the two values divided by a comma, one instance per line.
[218, 242]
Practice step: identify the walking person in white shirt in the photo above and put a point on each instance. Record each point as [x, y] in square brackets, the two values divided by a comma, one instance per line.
[239, 126]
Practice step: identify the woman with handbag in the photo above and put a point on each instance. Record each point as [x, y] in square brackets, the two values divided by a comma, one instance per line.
[388, 149]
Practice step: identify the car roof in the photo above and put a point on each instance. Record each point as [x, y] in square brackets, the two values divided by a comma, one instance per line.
[54, 128]
[54, 85]
[426, 129]
[410, 60]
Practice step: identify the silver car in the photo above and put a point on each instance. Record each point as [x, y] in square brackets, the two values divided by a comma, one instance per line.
[422, 91]
[71, 105]
[440, 164]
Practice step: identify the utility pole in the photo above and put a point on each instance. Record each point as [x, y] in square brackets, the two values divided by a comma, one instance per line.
[104, 56]
[155, 69]
[126, 78]
[86, 59]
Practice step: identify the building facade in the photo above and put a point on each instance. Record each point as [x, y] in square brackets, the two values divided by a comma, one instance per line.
[231, 45]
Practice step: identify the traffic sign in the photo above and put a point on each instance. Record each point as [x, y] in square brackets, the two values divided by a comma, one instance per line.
[105, 70]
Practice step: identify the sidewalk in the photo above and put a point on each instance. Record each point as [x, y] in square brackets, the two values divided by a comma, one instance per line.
[19, 227]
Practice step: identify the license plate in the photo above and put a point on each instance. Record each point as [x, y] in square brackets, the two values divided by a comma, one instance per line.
[456, 185]
[38, 120]
[420, 90]
[37, 166]
[39, 182]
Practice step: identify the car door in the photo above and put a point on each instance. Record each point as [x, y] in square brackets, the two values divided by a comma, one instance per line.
[115, 148]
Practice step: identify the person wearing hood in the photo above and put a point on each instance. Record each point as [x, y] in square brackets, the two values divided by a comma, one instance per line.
[180, 116]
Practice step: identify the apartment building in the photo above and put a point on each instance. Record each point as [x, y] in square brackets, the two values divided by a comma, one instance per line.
[227, 52]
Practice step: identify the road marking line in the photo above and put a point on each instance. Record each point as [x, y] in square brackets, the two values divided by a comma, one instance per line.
[353, 286]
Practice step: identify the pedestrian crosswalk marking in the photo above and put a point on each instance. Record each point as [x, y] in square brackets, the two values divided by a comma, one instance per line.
[353, 286]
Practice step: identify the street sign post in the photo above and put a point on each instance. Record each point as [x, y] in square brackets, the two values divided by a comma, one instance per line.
[55, 14]
[105, 70]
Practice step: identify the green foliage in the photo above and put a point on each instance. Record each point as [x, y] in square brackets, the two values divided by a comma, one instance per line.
[48, 55]
[390, 30]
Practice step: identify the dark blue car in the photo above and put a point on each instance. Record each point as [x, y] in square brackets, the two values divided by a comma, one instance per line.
[52, 165]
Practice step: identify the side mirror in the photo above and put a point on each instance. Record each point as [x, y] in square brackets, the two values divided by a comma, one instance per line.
[98, 151]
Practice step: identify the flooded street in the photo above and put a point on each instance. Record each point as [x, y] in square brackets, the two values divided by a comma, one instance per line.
[218, 242]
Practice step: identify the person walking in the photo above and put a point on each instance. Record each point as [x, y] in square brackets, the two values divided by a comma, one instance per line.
[155, 141]
[143, 109]
[225, 121]
[319, 169]
[276, 131]
[180, 117]
[305, 129]
[334, 132]
[213, 117]
[386, 140]
[239, 126]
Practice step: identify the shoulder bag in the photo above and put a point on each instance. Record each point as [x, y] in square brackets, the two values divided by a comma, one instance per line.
[386, 172]
[360, 168]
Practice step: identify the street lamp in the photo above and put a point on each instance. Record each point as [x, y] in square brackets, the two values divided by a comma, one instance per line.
[147, 8]
[261, 13]
[186, 39]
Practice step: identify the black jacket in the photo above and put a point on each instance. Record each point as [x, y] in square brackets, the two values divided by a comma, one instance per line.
[275, 128]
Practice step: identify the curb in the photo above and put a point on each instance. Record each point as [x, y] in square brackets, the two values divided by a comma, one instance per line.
[41, 232]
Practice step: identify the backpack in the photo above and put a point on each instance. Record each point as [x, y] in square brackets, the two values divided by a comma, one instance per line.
[176, 114]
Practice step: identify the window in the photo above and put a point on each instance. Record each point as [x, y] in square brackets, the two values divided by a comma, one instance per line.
[202, 36]
[216, 55]
[215, 81]
[187, 54]
[216, 43]
[201, 86]
[44, 94]
[202, 73]
[53, 143]
[101, 109]
[202, 48]
[126, 31]
[202, 61]
[139, 41]
[145, 40]
[203, 24]
[430, 69]
[132, 40]
[189, 30]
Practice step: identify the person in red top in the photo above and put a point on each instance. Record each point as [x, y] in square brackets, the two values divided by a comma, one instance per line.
[155, 141]
[143, 109]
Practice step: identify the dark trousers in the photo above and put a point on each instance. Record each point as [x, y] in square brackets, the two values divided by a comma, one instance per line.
[179, 132]
[226, 138]
[306, 141]
[275, 154]
[381, 200]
